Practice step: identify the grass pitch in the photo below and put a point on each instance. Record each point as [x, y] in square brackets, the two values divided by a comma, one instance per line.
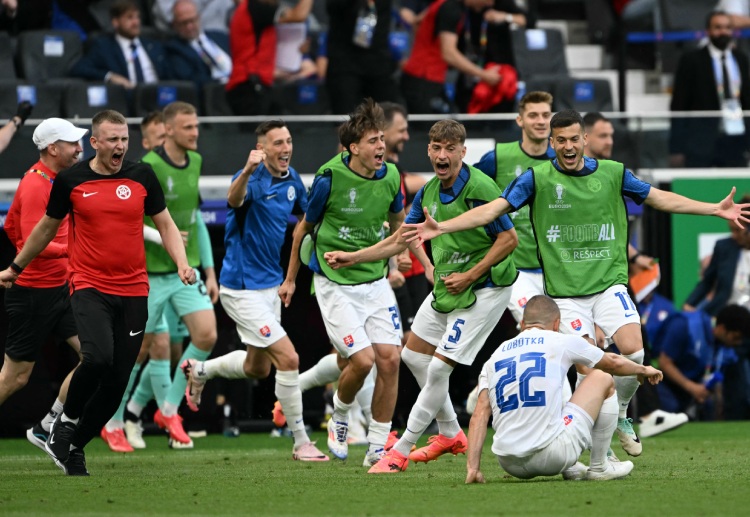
[699, 469]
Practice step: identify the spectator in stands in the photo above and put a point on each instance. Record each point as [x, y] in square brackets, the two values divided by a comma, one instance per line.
[435, 49]
[489, 41]
[359, 60]
[123, 57]
[293, 58]
[195, 55]
[252, 37]
[713, 78]
[8, 12]
[214, 14]
[9, 130]
[727, 275]
[738, 10]
[692, 350]
[600, 136]
[412, 11]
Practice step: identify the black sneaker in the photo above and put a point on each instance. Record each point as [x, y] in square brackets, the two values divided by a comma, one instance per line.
[37, 436]
[58, 443]
[75, 465]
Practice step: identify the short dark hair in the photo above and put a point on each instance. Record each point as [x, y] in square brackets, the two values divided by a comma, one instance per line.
[717, 12]
[120, 7]
[565, 118]
[448, 130]
[267, 125]
[735, 318]
[154, 117]
[390, 109]
[111, 116]
[592, 117]
[535, 97]
[366, 117]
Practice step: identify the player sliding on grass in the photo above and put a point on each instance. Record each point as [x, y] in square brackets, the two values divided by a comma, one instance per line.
[472, 272]
[521, 387]
[581, 227]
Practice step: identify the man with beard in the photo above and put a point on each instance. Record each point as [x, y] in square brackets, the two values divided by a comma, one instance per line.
[713, 78]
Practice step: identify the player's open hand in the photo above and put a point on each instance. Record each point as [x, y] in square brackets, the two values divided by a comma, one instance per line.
[421, 232]
[286, 291]
[187, 275]
[474, 476]
[338, 259]
[8, 278]
[729, 210]
[653, 375]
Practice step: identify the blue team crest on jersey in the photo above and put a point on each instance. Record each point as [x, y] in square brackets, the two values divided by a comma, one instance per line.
[291, 193]
[567, 419]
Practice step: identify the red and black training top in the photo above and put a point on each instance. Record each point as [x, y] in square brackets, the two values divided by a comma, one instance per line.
[106, 225]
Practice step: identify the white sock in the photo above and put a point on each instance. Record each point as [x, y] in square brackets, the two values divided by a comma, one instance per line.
[290, 397]
[430, 400]
[627, 386]
[228, 366]
[324, 372]
[169, 409]
[601, 434]
[114, 425]
[340, 410]
[364, 395]
[134, 408]
[418, 364]
[50, 417]
[65, 418]
[377, 435]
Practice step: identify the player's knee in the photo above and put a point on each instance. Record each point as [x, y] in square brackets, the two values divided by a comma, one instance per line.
[361, 363]
[205, 340]
[288, 362]
[603, 379]
[14, 381]
[257, 371]
[388, 363]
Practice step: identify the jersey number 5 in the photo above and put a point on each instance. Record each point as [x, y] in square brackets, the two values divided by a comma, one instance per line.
[537, 369]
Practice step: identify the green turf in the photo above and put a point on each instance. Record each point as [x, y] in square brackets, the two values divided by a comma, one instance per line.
[699, 469]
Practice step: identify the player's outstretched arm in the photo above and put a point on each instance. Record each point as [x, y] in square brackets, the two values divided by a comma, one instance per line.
[286, 291]
[384, 249]
[477, 434]
[479, 216]
[677, 204]
[42, 234]
[173, 243]
[618, 365]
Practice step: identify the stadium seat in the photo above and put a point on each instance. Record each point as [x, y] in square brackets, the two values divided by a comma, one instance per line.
[46, 98]
[84, 100]
[306, 97]
[150, 97]
[215, 101]
[681, 15]
[538, 51]
[582, 95]
[47, 54]
[6, 57]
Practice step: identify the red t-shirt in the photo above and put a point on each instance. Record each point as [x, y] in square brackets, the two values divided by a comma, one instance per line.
[106, 226]
[50, 267]
[252, 43]
[426, 60]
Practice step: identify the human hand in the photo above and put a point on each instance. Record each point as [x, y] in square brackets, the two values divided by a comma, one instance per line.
[24, 110]
[339, 259]
[403, 260]
[396, 279]
[490, 76]
[187, 275]
[653, 375]
[731, 211]
[286, 291]
[474, 476]
[457, 283]
[254, 159]
[698, 391]
[120, 80]
[421, 232]
[429, 273]
[8, 278]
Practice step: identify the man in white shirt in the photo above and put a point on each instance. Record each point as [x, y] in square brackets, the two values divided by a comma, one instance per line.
[520, 386]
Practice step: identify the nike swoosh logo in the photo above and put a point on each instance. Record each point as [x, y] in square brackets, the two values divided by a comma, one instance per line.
[271, 196]
[629, 315]
[87, 194]
[52, 439]
[135, 333]
[298, 421]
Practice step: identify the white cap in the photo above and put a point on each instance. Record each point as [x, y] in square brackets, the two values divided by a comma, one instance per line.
[53, 129]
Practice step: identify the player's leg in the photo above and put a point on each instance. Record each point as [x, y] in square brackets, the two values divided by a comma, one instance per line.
[618, 317]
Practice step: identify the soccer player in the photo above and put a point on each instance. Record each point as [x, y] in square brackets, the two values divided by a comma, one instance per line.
[108, 197]
[352, 196]
[504, 164]
[262, 196]
[472, 271]
[178, 167]
[581, 229]
[520, 386]
[44, 282]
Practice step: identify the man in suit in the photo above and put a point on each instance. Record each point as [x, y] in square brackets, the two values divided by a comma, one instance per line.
[123, 57]
[194, 55]
[712, 78]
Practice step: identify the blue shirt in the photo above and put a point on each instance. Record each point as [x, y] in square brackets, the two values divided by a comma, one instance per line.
[521, 191]
[416, 214]
[688, 339]
[254, 232]
[488, 163]
[321, 189]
